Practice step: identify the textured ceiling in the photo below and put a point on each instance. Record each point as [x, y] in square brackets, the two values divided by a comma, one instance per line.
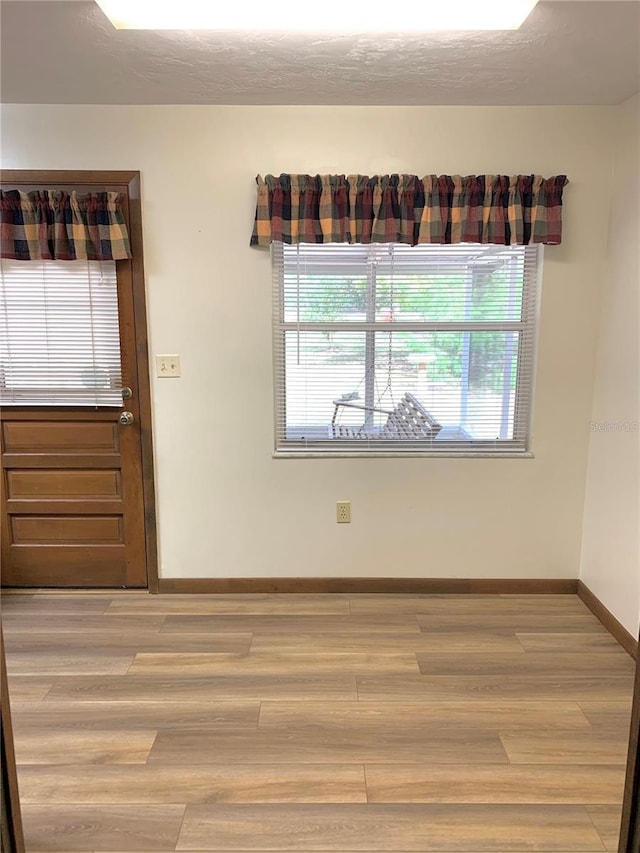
[568, 52]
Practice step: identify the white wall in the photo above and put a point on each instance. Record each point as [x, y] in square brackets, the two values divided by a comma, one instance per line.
[610, 564]
[226, 507]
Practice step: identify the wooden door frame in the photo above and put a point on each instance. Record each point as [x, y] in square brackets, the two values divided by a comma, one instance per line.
[127, 182]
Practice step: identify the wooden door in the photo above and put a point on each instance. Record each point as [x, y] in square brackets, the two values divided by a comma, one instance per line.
[77, 502]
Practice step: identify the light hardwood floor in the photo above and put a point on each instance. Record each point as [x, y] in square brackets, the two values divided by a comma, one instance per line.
[325, 723]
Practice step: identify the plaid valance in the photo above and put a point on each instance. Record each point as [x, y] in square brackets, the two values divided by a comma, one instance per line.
[54, 225]
[498, 209]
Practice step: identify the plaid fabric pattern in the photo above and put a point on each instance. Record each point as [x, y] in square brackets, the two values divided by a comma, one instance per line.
[53, 225]
[521, 209]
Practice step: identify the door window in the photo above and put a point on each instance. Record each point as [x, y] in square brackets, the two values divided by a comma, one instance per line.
[59, 334]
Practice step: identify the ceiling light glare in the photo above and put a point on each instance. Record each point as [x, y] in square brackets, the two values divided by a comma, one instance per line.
[329, 16]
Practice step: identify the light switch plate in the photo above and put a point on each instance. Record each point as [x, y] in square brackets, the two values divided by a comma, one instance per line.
[168, 366]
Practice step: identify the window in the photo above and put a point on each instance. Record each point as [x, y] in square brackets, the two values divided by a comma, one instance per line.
[393, 348]
[59, 334]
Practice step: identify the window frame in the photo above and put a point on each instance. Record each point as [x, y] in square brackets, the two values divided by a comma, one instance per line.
[517, 447]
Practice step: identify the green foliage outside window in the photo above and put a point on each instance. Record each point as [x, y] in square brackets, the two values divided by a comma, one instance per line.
[485, 297]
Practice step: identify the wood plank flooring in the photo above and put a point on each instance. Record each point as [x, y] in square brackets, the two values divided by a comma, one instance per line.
[325, 723]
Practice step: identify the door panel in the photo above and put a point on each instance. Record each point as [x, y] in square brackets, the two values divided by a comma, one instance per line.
[69, 530]
[95, 566]
[41, 438]
[70, 522]
[77, 486]
[64, 483]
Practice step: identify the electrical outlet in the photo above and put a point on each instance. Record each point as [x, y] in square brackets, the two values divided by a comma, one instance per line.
[343, 512]
[168, 366]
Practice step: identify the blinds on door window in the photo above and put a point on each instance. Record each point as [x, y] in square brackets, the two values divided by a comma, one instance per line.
[59, 334]
[400, 348]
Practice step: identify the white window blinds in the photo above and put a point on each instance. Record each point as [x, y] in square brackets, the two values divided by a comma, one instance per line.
[399, 348]
[59, 334]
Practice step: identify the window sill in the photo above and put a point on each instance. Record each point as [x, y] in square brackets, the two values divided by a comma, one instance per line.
[399, 454]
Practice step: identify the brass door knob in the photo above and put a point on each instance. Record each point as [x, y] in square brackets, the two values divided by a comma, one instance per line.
[126, 418]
